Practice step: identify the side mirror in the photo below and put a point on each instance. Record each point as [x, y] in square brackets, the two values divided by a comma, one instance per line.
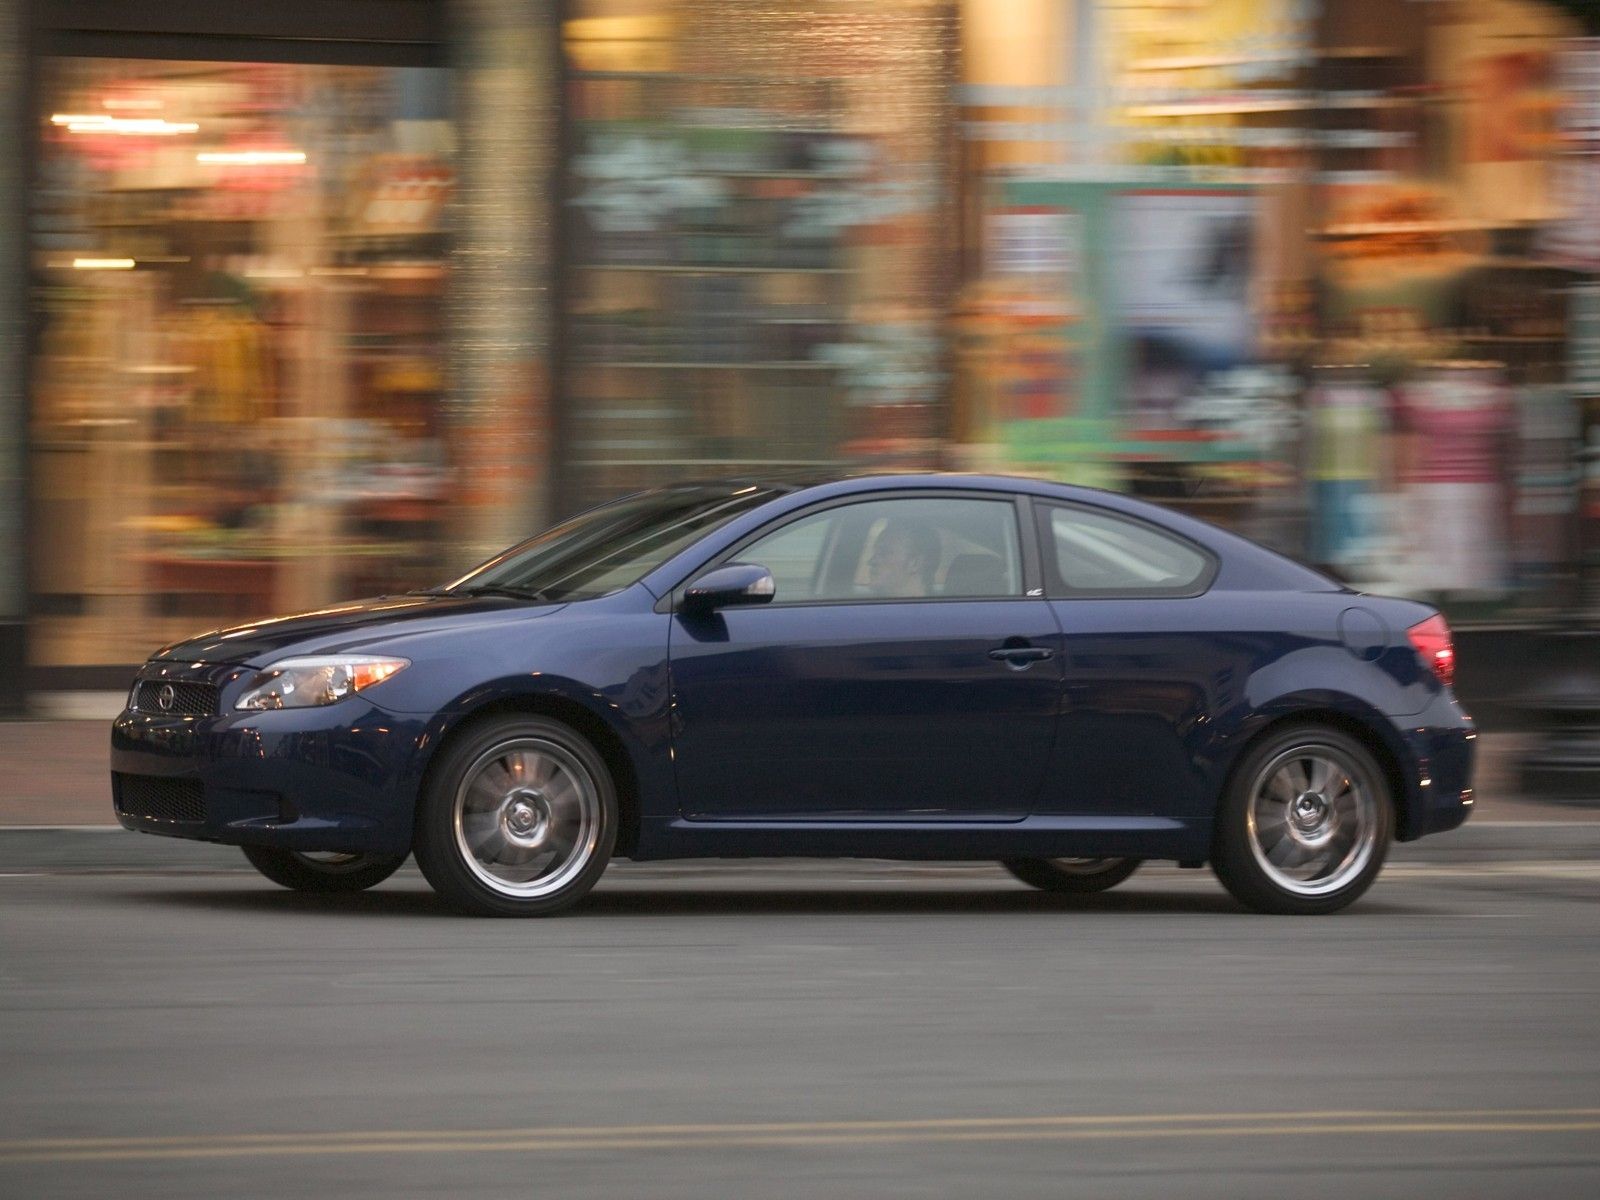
[729, 586]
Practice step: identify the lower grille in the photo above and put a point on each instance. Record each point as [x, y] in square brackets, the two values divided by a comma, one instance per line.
[158, 798]
[182, 699]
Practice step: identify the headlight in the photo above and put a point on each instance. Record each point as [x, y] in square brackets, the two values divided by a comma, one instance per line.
[308, 682]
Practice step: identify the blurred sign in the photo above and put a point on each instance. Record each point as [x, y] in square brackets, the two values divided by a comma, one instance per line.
[1185, 266]
[1034, 243]
[1183, 277]
[402, 194]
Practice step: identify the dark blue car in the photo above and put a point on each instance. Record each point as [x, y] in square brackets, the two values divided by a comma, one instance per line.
[919, 667]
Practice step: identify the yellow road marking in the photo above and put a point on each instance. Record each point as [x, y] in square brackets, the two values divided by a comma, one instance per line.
[803, 1134]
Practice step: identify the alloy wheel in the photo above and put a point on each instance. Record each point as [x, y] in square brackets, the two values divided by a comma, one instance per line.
[527, 817]
[1312, 819]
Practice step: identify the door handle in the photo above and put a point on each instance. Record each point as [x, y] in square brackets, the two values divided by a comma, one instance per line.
[1020, 655]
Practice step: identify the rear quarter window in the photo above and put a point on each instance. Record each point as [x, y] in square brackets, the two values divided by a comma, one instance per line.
[1095, 552]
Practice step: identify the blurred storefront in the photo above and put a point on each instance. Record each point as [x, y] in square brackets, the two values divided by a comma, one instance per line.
[240, 345]
[238, 269]
[316, 300]
[759, 236]
[1317, 272]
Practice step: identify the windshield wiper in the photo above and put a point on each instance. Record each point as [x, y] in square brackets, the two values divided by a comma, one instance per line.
[499, 589]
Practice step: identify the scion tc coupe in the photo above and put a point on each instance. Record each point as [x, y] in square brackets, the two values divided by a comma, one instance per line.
[1067, 681]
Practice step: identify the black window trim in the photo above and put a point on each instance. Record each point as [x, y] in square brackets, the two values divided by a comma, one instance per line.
[1027, 547]
[1056, 587]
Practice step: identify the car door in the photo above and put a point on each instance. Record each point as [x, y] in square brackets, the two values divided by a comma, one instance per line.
[900, 671]
[1143, 663]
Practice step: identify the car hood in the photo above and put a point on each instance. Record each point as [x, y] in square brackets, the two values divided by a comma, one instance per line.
[351, 626]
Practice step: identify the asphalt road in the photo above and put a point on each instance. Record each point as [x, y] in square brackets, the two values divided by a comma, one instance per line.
[803, 1030]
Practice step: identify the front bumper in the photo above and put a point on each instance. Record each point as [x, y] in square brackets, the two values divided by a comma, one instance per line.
[1442, 741]
[332, 778]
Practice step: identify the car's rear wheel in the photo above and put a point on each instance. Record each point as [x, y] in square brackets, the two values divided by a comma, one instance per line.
[518, 819]
[1075, 875]
[322, 871]
[1305, 824]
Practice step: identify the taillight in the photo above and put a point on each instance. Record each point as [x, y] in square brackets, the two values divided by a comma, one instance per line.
[1438, 652]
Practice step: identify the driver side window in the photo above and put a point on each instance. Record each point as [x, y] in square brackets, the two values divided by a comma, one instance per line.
[900, 549]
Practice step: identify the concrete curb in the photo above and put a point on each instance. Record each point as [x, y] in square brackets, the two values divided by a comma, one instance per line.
[109, 848]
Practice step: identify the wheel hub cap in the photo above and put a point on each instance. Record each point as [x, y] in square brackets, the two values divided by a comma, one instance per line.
[525, 817]
[1311, 818]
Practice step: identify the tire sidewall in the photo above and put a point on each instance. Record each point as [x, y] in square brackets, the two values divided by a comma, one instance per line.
[440, 858]
[1235, 863]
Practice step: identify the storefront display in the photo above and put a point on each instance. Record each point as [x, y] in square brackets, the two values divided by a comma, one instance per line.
[1133, 362]
[241, 271]
[1262, 189]
[756, 200]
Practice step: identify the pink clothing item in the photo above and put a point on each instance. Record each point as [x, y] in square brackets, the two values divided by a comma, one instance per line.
[1461, 422]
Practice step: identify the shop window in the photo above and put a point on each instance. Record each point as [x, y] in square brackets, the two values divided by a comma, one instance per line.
[239, 279]
[756, 193]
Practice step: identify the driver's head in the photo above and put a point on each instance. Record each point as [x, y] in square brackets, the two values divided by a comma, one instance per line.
[904, 558]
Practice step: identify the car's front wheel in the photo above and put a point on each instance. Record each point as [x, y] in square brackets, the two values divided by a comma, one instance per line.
[312, 871]
[1305, 824]
[1073, 875]
[518, 819]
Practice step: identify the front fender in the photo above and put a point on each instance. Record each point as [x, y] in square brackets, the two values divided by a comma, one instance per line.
[635, 716]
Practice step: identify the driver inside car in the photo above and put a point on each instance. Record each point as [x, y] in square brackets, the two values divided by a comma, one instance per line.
[904, 558]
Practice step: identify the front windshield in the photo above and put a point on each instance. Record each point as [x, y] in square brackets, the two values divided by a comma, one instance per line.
[611, 547]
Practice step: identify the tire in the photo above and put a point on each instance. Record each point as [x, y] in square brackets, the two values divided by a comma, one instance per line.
[1305, 824]
[518, 818]
[313, 872]
[1077, 876]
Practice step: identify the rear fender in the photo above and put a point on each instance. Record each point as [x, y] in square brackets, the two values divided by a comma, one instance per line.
[1350, 714]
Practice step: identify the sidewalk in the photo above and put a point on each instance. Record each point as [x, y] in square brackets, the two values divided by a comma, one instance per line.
[53, 778]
